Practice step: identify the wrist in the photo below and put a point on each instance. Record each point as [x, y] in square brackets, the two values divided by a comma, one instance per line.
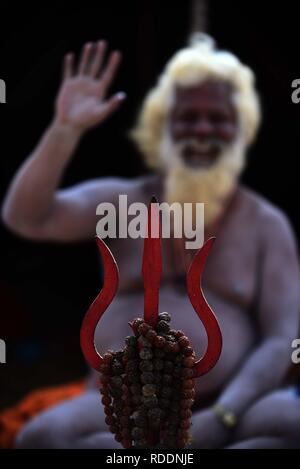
[66, 131]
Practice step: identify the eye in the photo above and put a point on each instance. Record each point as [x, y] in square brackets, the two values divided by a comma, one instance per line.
[219, 118]
[186, 117]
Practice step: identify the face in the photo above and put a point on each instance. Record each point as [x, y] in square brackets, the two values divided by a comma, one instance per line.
[203, 122]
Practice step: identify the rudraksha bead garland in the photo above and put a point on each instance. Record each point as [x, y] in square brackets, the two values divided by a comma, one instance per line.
[148, 388]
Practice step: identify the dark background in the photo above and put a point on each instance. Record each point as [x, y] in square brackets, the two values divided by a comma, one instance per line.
[46, 288]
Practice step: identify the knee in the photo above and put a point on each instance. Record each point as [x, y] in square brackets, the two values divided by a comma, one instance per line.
[42, 432]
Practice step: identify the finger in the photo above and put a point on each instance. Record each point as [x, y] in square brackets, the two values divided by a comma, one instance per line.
[104, 110]
[68, 66]
[85, 58]
[98, 58]
[109, 72]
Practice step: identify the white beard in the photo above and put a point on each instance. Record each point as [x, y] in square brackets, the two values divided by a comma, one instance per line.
[210, 186]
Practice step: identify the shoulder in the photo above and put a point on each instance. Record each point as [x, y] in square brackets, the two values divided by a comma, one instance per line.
[270, 221]
[109, 188]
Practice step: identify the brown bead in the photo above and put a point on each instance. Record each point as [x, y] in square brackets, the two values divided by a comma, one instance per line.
[135, 389]
[108, 410]
[181, 442]
[130, 340]
[188, 383]
[151, 336]
[140, 444]
[132, 364]
[159, 341]
[117, 406]
[130, 352]
[158, 364]
[143, 342]
[175, 406]
[126, 410]
[188, 393]
[146, 354]
[155, 413]
[135, 324]
[175, 348]
[139, 418]
[188, 351]
[107, 358]
[105, 368]
[186, 403]
[119, 354]
[164, 316]
[113, 428]
[185, 413]
[183, 341]
[137, 433]
[174, 418]
[116, 392]
[149, 390]
[104, 380]
[126, 443]
[159, 353]
[166, 391]
[168, 366]
[116, 382]
[168, 348]
[118, 437]
[188, 373]
[179, 334]
[150, 401]
[136, 400]
[124, 420]
[106, 400]
[189, 362]
[110, 420]
[167, 379]
[178, 359]
[177, 371]
[133, 377]
[164, 403]
[146, 365]
[185, 424]
[117, 367]
[163, 326]
[182, 433]
[125, 391]
[157, 377]
[147, 377]
[125, 432]
[144, 328]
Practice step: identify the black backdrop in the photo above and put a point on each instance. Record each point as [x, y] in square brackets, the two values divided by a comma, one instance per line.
[46, 288]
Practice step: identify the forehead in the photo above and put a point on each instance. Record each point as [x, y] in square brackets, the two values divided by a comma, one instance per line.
[216, 93]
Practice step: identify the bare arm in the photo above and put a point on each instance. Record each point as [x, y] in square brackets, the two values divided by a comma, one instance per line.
[278, 314]
[264, 368]
[33, 206]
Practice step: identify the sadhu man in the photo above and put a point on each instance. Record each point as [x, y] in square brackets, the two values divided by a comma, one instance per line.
[194, 129]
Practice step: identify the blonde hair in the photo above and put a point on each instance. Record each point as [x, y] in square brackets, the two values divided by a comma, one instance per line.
[198, 62]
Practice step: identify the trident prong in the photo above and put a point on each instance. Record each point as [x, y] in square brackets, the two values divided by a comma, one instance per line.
[203, 310]
[152, 265]
[99, 306]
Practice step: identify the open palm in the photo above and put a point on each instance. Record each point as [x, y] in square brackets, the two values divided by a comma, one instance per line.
[82, 102]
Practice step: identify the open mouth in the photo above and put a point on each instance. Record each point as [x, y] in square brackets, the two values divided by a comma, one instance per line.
[201, 155]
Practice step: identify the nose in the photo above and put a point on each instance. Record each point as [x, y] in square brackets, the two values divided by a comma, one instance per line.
[203, 128]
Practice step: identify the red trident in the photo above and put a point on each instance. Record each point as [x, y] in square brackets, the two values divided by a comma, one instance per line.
[151, 271]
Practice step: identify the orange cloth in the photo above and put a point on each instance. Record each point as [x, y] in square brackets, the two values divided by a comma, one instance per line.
[12, 419]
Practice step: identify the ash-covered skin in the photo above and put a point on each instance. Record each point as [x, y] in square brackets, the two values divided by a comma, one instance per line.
[148, 388]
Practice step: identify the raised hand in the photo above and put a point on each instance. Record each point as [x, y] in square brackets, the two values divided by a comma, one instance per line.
[82, 101]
